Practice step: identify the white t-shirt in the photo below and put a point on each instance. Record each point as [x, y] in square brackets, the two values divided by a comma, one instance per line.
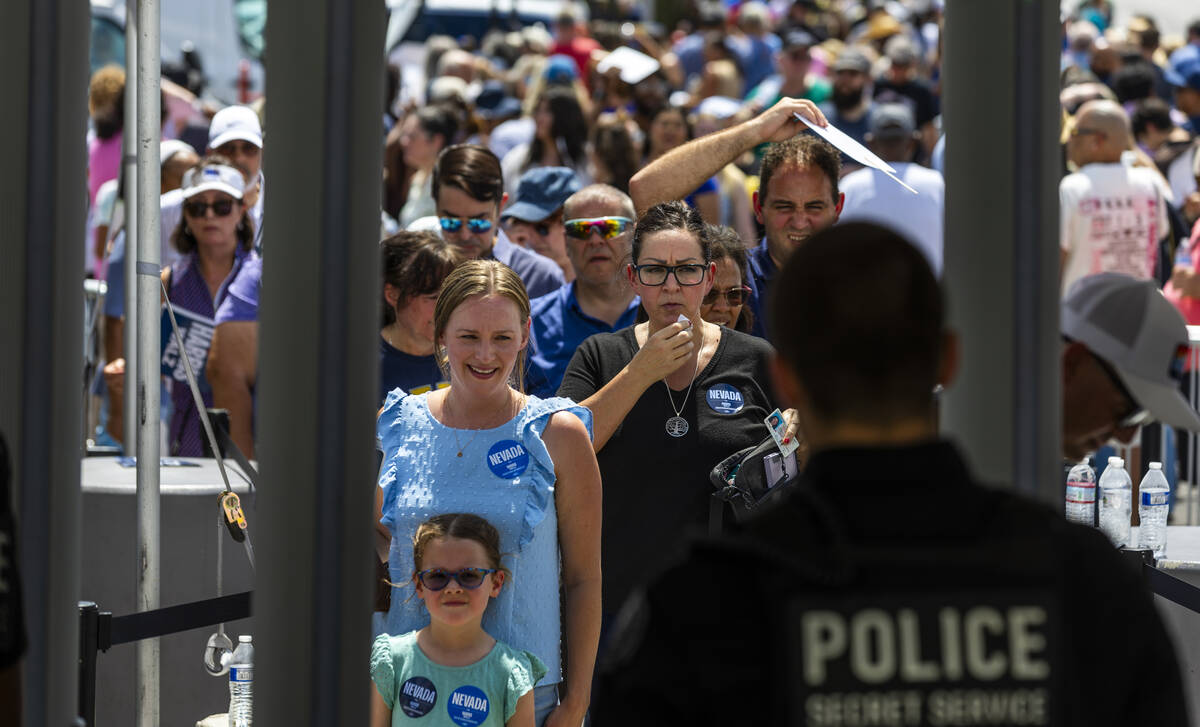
[1179, 174]
[1111, 220]
[873, 197]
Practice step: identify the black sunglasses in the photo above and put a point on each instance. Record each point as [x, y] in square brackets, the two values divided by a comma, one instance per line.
[435, 579]
[197, 208]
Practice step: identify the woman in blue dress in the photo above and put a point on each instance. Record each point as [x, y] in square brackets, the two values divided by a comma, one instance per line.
[524, 463]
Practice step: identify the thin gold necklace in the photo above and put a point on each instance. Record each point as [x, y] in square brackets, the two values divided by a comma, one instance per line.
[475, 432]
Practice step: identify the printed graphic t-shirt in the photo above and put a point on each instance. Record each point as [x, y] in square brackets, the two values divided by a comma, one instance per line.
[1112, 217]
[484, 693]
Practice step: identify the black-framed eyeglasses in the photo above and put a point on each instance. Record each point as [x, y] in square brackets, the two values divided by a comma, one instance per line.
[474, 224]
[686, 274]
[435, 579]
[733, 296]
[199, 208]
[1134, 414]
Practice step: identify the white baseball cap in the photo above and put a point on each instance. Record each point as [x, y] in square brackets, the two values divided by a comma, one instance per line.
[235, 122]
[170, 147]
[1128, 323]
[219, 177]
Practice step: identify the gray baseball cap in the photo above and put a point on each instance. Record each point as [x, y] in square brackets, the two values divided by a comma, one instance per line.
[892, 121]
[1128, 323]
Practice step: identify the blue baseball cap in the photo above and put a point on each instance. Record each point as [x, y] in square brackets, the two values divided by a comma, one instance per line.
[493, 101]
[560, 69]
[540, 192]
[1184, 69]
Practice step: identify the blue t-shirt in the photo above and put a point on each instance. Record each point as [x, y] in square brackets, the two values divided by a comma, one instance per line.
[709, 187]
[409, 373]
[559, 326]
[505, 475]
[762, 270]
[241, 301]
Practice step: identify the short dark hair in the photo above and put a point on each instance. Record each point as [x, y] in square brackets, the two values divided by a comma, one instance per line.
[439, 119]
[806, 150]
[1150, 112]
[673, 215]
[1134, 82]
[863, 340]
[473, 169]
[415, 263]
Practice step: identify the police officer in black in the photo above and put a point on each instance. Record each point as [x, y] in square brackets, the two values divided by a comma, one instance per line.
[887, 587]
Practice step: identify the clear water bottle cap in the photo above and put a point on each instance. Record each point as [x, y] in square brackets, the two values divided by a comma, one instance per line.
[1156, 465]
[244, 639]
[1116, 461]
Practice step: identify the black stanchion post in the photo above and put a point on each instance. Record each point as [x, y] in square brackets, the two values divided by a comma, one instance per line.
[89, 620]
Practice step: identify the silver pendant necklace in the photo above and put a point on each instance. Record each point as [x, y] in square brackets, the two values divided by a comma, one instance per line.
[677, 426]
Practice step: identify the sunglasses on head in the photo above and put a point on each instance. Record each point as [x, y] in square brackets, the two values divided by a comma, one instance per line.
[608, 227]
[474, 224]
[733, 296]
[198, 208]
[435, 579]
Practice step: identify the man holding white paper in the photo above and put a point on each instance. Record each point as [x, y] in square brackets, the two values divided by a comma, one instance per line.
[797, 197]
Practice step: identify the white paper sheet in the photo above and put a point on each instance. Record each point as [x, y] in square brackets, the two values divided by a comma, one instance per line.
[854, 150]
[635, 66]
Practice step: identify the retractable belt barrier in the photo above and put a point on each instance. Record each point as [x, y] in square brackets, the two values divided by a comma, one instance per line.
[100, 631]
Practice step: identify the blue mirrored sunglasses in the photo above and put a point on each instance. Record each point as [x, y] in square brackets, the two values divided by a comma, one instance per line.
[474, 224]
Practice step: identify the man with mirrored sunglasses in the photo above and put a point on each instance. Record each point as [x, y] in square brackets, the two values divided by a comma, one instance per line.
[599, 233]
[468, 189]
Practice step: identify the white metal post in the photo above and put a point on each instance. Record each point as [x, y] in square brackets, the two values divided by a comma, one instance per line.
[147, 281]
[129, 170]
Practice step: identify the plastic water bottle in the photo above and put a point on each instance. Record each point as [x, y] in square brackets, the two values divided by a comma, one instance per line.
[1116, 502]
[1153, 497]
[241, 684]
[1081, 494]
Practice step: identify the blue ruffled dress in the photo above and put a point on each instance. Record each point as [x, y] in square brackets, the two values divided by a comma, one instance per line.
[505, 475]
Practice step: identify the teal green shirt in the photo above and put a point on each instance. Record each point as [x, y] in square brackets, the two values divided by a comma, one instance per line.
[483, 693]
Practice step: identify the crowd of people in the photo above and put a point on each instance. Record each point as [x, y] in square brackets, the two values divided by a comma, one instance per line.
[592, 293]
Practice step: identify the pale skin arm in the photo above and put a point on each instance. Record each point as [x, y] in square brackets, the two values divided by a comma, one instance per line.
[524, 716]
[232, 371]
[577, 499]
[680, 171]
[381, 716]
[662, 354]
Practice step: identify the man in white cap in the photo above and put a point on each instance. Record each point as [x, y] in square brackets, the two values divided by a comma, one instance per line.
[1123, 357]
[236, 134]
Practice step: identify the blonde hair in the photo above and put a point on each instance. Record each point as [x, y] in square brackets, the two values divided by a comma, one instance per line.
[475, 279]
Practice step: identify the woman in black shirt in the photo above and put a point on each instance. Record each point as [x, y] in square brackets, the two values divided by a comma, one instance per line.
[670, 398]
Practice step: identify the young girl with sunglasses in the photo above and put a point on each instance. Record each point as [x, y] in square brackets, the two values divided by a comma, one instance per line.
[451, 670]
